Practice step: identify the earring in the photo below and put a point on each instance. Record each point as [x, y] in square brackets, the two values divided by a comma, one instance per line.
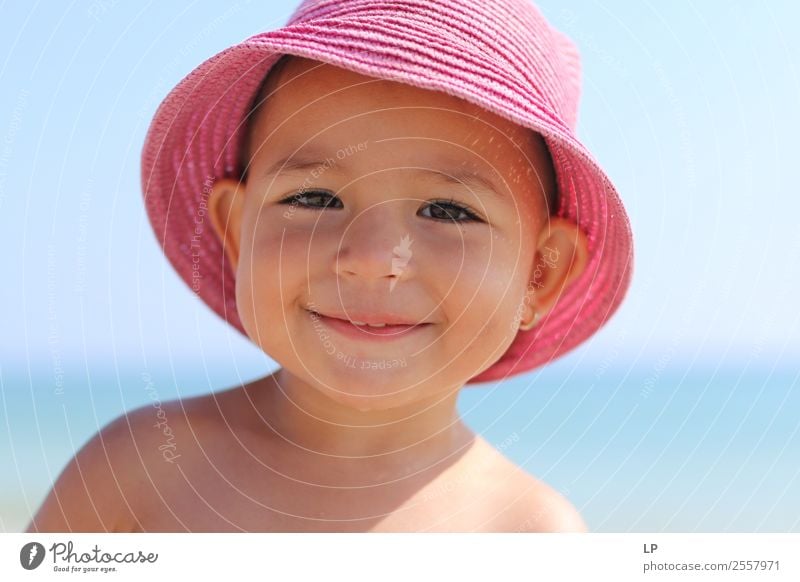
[530, 325]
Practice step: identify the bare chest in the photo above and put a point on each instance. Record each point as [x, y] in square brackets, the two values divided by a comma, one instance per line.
[224, 492]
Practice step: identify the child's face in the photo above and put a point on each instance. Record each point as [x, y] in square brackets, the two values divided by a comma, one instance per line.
[385, 150]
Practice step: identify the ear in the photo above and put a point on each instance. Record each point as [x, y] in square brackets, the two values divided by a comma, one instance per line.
[561, 256]
[225, 207]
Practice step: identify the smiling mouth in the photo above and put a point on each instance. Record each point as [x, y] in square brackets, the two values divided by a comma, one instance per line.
[366, 331]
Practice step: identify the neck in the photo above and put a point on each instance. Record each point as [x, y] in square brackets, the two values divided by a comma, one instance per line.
[403, 440]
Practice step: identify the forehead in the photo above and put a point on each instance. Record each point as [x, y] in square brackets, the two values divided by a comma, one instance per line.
[313, 101]
[317, 107]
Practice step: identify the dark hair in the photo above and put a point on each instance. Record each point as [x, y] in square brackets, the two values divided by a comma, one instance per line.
[270, 82]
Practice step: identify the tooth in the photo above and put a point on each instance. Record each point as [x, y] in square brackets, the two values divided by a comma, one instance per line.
[376, 324]
[358, 322]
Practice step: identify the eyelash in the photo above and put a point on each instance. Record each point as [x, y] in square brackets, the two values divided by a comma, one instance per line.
[471, 216]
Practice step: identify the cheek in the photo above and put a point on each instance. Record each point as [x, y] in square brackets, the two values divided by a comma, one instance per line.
[272, 271]
[481, 275]
[481, 289]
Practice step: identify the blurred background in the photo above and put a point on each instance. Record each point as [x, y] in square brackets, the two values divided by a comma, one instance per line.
[681, 414]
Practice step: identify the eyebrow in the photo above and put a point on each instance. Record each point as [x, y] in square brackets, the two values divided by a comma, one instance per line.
[305, 161]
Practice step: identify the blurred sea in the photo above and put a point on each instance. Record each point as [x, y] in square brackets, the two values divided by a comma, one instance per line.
[670, 444]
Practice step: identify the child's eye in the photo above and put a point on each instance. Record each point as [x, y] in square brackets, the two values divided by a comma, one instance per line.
[312, 194]
[440, 210]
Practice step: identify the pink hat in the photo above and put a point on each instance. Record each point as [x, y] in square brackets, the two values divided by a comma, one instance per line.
[499, 54]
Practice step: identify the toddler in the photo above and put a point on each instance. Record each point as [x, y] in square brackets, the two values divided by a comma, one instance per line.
[389, 199]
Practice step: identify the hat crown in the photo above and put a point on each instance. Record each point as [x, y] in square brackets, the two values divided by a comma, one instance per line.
[509, 35]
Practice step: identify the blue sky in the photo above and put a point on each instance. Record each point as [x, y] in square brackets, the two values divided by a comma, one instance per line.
[692, 108]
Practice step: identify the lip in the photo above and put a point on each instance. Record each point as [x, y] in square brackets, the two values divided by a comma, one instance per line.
[371, 316]
[387, 333]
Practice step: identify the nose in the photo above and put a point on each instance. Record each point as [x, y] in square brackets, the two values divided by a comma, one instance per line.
[376, 245]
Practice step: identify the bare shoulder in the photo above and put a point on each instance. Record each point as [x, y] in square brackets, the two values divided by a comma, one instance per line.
[540, 508]
[528, 504]
[101, 487]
